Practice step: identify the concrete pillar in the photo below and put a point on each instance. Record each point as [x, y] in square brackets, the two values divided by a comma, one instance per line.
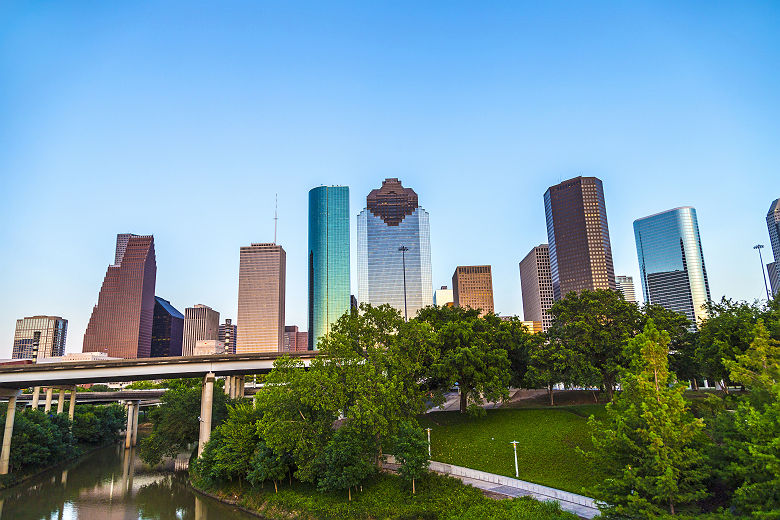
[205, 411]
[239, 387]
[49, 393]
[72, 408]
[227, 385]
[135, 422]
[61, 401]
[36, 397]
[5, 454]
[129, 431]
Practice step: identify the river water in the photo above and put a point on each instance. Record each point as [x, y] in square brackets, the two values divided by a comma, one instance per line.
[111, 484]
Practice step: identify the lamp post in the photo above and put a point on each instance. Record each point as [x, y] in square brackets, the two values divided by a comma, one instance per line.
[759, 247]
[429, 441]
[517, 471]
[403, 250]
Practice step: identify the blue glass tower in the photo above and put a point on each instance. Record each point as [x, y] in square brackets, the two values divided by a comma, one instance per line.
[394, 250]
[329, 291]
[671, 262]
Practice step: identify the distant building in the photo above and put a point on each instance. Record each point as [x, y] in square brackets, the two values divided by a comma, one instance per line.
[167, 329]
[38, 337]
[329, 289]
[536, 285]
[121, 322]
[201, 322]
[532, 326]
[78, 357]
[208, 347]
[443, 297]
[625, 285]
[261, 287]
[353, 303]
[227, 335]
[472, 287]
[671, 262]
[578, 236]
[773, 225]
[393, 232]
[295, 340]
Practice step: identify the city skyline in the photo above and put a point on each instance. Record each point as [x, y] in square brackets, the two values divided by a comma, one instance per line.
[480, 126]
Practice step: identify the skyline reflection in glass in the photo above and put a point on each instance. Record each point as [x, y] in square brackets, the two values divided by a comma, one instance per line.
[671, 262]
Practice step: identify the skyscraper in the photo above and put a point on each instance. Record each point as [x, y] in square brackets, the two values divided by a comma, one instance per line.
[671, 262]
[261, 286]
[38, 337]
[121, 322]
[227, 335]
[536, 285]
[578, 235]
[472, 286]
[329, 290]
[394, 250]
[773, 224]
[295, 340]
[167, 329]
[443, 297]
[201, 322]
[625, 285]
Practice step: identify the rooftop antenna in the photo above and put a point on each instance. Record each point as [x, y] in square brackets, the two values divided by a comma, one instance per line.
[276, 214]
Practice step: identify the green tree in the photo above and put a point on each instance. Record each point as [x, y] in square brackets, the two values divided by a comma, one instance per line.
[411, 451]
[648, 448]
[98, 424]
[345, 462]
[550, 363]
[267, 465]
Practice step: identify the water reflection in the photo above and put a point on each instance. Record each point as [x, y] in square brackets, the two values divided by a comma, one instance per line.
[111, 484]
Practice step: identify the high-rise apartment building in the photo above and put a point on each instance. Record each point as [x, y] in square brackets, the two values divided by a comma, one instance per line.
[261, 286]
[295, 340]
[671, 262]
[394, 250]
[201, 322]
[536, 285]
[121, 322]
[625, 285]
[329, 290]
[773, 224]
[227, 335]
[167, 329]
[578, 236]
[443, 297]
[472, 287]
[38, 337]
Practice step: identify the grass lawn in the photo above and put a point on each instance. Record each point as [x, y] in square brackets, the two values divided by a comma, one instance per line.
[546, 453]
[388, 497]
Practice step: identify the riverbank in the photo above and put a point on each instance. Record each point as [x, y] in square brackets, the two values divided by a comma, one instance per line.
[383, 496]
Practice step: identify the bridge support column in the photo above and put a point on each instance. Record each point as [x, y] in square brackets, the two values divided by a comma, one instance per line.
[72, 408]
[136, 408]
[36, 397]
[240, 389]
[228, 379]
[129, 431]
[49, 393]
[5, 454]
[61, 401]
[207, 399]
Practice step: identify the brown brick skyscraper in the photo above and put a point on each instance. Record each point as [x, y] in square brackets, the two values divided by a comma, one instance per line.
[578, 235]
[121, 322]
[472, 286]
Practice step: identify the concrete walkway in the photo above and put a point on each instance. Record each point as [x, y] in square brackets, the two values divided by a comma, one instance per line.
[582, 506]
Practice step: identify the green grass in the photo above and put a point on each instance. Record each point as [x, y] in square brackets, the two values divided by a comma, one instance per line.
[546, 453]
[389, 497]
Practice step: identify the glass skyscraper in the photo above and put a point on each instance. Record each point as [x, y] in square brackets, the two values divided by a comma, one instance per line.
[773, 225]
[329, 289]
[671, 262]
[394, 230]
[39, 337]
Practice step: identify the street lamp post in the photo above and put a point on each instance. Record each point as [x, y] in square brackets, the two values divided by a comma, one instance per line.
[429, 442]
[517, 471]
[403, 250]
[759, 247]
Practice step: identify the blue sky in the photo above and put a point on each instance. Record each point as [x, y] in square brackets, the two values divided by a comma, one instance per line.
[184, 120]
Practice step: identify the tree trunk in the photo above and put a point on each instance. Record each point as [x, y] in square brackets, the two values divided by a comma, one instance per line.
[595, 396]
[724, 386]
[463, 401]
[276, 489]
[671, 506]
[349, 493]
[550, 393]
[695, 384]
[413, 491]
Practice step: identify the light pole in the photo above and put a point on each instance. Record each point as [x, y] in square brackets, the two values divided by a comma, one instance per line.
[403, 250]
[429, 442]
[517, 471]
[760, 259]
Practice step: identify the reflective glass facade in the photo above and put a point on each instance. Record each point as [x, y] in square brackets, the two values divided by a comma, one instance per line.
[393, 219]
[261, 290]
[39, 337]
[536, 285]
[328, 262]
[167, 329]
[671, 262]
[773, 225]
